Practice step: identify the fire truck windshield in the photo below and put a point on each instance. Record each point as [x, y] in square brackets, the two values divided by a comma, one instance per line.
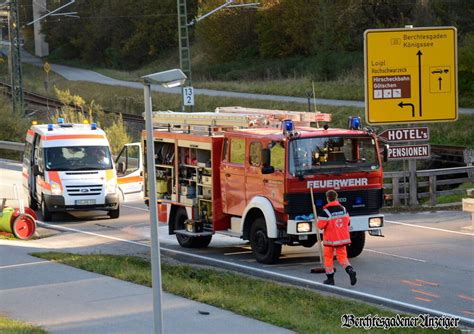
[77, 158]
[333, 154]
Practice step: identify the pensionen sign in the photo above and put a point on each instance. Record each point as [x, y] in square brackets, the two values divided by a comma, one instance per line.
[409, 152]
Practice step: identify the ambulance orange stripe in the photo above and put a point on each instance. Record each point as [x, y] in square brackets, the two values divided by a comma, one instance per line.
[30, 132]
[65, 137]
[54, 176]
[25, 174]
[130, 179]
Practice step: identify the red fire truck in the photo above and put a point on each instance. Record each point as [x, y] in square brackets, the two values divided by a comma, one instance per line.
[248, 172]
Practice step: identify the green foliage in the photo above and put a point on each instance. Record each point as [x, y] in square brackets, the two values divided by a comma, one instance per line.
[92, 112]
[10, 326]
[123, 36]
[13, 128]
[117, 135]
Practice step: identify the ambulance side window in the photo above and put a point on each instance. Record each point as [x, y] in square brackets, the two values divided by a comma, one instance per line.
[37, 159]
[27, 154]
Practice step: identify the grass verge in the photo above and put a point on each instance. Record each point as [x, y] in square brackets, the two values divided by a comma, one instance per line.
[455, 198]
[298, 309]
[10, 326]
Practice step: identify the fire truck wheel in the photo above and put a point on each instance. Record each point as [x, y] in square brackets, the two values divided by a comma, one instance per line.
[357, 244]
[184, 240]
[47, 215]
[265, 250]
[32, 202]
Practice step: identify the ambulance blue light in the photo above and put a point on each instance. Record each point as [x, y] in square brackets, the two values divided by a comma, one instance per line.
[354, 122]
[50, 127]
[60, 120]
[93, 126]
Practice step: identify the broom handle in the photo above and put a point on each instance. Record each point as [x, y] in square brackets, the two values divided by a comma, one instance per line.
[318, 236]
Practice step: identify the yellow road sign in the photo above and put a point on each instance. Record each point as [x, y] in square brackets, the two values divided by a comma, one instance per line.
[47, 67]
[411, 75]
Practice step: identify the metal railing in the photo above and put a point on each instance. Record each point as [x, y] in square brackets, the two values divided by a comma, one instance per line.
[12, 146]
[431, 183]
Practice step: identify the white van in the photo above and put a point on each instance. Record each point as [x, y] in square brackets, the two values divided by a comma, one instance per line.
[68, 167]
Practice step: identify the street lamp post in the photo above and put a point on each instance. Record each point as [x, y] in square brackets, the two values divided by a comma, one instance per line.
[168, 79]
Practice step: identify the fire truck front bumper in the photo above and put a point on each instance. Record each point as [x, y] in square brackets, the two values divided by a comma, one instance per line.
[370, 223]
[56, 203]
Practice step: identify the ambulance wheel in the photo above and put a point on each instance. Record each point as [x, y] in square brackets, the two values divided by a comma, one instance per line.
[114, 214]
[24, 226]
[357, 244]
[265, 250]
[186, 241]
[32, 202]
[47, 215]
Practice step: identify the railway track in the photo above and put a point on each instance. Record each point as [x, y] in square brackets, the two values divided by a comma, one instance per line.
[45, 101]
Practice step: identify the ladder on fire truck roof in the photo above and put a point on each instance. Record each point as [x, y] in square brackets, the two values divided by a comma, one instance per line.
[234, 117]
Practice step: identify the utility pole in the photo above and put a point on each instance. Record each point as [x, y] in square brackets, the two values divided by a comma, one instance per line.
[15, 56]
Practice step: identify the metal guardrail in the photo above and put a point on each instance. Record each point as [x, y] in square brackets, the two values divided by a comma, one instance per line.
[12, 146]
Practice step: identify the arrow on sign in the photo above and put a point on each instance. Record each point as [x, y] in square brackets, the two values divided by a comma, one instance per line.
[401, 105]
[419, 54]
[439, 80]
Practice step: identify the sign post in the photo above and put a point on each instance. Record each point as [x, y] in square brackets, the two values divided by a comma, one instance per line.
[410, 75]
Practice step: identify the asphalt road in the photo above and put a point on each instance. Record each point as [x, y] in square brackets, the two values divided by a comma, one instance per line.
[424, 263]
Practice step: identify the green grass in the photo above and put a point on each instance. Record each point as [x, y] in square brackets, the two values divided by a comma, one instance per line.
[10, 326]
[298, 309]
[455, 198]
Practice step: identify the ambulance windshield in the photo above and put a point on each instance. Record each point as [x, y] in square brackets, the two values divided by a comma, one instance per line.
[332, 155]
[75, 158]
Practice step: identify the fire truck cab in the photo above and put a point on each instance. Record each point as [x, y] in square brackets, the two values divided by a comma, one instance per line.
[249, 173]
[68, 167]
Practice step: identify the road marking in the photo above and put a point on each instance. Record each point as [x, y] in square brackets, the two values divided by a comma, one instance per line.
[399, 256]
[466, 297]
[24, 264]
[428, 228]
[134, 207]
[43, 224]
[410, 283]
[288, 277]
[428, 283]
[425, 293]
[424, 299]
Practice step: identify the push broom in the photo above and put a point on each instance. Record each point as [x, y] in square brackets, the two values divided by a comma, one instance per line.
[320, 269]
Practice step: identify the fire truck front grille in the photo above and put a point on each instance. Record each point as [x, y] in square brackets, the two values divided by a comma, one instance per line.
[84, 190]
[357, 202]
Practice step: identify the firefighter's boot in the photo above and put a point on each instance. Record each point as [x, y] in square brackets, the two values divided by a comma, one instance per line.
[330, 279]
[352, 274]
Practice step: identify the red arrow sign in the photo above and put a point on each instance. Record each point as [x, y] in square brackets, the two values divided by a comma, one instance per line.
[406, 134]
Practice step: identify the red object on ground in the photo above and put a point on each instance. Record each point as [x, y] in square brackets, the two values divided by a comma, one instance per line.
[23, 226]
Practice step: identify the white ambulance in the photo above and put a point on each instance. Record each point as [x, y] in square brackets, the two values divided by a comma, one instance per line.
[69, 167]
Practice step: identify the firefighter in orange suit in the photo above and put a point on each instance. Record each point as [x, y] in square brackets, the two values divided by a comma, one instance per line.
[335, 222]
